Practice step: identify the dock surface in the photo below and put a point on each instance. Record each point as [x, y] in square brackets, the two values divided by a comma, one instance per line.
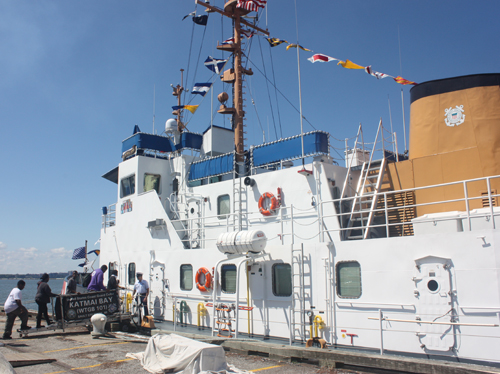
[76, 351]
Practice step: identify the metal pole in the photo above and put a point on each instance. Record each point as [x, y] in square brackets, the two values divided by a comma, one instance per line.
[380, 317]
[175, 312]
[404, 122]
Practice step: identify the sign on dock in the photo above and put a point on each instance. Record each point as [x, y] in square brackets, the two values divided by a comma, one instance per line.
[84, 306]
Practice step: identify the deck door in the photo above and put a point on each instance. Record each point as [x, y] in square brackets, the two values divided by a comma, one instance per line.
[433, 290]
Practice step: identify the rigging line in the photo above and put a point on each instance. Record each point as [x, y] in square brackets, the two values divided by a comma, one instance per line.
[198, 60]
[275, 93]
[268, 92]
[281, 93]
[255, 107]
[189, 58]
[337, 152]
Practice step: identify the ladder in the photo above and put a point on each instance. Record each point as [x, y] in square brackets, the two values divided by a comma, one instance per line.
[365, 201]
[240, 203]
[368, 189]
[298, 303]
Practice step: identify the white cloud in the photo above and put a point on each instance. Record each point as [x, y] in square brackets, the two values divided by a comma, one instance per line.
[61, 252]
[33, 260]
[3, 245]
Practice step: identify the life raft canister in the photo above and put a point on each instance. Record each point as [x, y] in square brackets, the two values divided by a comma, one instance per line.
[273, 205]
[208, 279]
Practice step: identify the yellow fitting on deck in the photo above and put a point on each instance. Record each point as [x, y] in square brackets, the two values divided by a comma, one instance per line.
[129, 301]
[318, 323]
[202, 312]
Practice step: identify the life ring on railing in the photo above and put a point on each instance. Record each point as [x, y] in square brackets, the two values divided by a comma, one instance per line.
[208, 279]
[273, 205]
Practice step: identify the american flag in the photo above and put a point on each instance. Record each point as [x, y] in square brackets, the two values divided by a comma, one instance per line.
[79, 253]
[251, 5]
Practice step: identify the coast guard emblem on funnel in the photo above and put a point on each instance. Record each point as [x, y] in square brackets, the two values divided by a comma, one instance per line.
[454, 116]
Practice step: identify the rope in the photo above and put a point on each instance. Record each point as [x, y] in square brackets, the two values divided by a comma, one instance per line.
[281, 93]
[305, 224]
[275, 93]
[267, 87]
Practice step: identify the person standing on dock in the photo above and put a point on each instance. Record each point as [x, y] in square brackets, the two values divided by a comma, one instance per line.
[96, 282]
[14, 308]
[42, 298]
[142, 289]
[71, 287]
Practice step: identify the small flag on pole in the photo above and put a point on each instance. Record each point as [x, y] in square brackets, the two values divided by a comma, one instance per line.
[228, 41]
[79, 253]
[401, 80]
[96, 251]
[350, 65]
[295, 46]
[376, 74]
[321, 58]
[251, 5]
[214, 64]
[201, 88]
[275, 41]
[191, 108]
[201, 20]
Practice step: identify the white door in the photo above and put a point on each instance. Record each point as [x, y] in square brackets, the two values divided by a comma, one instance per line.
[157, 290]
[435, 304]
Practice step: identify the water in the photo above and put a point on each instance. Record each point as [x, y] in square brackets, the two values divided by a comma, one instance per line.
[29, 292]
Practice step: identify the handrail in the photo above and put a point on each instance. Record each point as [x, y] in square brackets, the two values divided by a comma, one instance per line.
[290, 221]
[435, 323]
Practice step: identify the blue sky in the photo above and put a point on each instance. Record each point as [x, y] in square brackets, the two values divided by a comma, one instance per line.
[78, 75]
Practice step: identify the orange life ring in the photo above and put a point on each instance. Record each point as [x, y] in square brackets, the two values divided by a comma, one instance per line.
[208, 279]
[273, 206]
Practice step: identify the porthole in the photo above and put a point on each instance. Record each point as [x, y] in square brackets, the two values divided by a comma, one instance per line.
[432, 285]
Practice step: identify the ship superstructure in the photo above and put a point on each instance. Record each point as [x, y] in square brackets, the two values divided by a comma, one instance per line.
[386, 252]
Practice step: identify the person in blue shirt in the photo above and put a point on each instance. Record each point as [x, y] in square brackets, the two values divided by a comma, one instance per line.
[96, 282]
[141, 287]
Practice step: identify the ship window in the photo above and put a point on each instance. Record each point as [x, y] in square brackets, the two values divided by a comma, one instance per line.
[111, 267]
[152, 182]
[127, 186]
[282, 280]
[349, 279]
[186, 277]
[131, 273]
[228, 278]
[223, 206]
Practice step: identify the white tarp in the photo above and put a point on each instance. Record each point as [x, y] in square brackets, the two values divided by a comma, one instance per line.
[180, 355]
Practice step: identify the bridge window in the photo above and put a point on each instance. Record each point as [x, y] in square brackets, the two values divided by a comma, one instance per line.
[152, 182]
[127, 186]
[223, 208]
[186, 277]
[228, 278]
[349, 279]
[282, 280]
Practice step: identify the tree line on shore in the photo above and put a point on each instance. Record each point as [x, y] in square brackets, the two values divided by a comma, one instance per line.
[33, 275]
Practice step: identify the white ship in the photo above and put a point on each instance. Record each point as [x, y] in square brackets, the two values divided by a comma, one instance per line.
[389, 253]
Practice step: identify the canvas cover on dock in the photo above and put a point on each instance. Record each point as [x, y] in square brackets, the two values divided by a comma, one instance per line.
[180, 355]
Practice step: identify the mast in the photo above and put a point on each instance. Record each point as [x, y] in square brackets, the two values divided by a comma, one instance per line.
[235, 75]
[177, 92]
